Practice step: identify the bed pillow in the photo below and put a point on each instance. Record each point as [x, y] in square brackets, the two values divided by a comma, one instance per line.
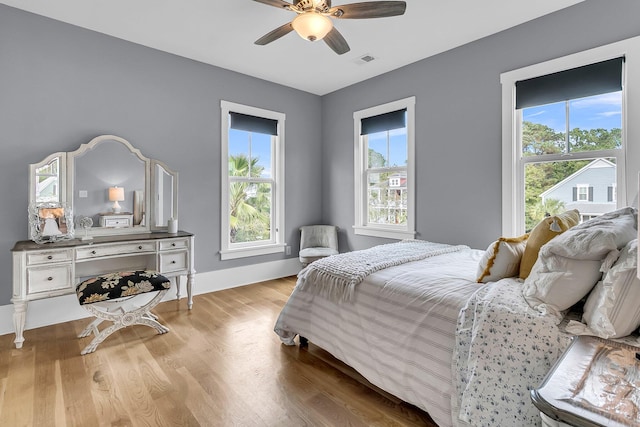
[613, 307]
[501, 259]
[570, 265]
[544, 231]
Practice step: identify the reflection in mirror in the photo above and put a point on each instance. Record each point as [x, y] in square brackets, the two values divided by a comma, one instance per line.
[165, 183]
[48, 181]
[106, 177]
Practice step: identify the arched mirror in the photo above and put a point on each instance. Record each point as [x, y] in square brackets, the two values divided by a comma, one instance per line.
[108, 186]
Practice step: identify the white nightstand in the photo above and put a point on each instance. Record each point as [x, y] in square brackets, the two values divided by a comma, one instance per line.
[594, 383]
[116, 220]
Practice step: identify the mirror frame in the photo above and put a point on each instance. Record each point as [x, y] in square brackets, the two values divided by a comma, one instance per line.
[67, 186]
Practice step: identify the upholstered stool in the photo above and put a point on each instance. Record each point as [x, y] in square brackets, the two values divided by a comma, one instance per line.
[111, 296]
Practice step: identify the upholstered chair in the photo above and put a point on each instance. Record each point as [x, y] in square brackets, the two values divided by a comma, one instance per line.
[317, 241]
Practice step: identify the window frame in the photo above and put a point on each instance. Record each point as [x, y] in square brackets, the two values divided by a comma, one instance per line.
[627, 157]
[276, 244]
[361, 226]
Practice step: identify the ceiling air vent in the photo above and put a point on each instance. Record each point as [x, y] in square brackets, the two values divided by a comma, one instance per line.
[365, 58]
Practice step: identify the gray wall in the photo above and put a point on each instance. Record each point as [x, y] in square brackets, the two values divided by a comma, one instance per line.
[60, 86]
[458, 121]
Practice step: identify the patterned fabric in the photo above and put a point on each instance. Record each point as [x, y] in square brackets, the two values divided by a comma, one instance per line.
[121, 284]
[504, 348]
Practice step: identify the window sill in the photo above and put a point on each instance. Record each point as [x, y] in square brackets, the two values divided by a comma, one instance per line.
[252, 251]
[387, 233]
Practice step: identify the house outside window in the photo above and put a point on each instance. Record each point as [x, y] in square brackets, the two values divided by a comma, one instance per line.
[384, 170]
[252, 153]
[548, 140]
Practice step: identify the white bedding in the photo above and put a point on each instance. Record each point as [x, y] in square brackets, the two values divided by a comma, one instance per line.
[399, 331]
[427, 333]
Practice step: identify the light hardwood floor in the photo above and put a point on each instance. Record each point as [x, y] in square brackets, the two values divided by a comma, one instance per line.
[220, 365]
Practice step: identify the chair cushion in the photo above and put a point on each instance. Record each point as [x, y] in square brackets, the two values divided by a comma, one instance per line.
[309, 255]
[121, 284]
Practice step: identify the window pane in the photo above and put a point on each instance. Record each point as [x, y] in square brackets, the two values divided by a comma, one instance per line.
[553, 187]
[261, 155]
[544, 129]
[596, 122]
[398, 147]
[387, 198]
[249, 211]
[377, 143]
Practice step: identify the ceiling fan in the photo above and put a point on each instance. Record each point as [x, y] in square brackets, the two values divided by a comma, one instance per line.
[313, 23]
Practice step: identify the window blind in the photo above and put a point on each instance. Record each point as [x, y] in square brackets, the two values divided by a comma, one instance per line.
[594, 79]
[255, 124]
[384, 122]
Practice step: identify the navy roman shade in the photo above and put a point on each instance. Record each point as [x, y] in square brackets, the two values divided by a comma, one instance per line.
[255, 124]
[594, 79]
[384, 122]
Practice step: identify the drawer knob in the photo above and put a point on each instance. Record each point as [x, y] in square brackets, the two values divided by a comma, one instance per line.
[93, 252]
[173, 262]
[49, 278]
[140, 247]
[50, 257]
[173, 244]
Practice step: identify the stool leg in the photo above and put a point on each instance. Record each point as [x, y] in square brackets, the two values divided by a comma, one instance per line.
[139, 316]
[91, 327]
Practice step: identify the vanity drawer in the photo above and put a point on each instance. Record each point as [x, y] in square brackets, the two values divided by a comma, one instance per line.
[167, 245]
[48, 257]
[47, 279]
[173, 261]
[96, 251]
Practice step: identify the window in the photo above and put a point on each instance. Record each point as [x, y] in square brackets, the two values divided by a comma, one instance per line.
[565, 133]
[252, 181]
[384, 170]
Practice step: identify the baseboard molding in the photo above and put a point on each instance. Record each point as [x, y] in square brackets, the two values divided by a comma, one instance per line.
[50, 311]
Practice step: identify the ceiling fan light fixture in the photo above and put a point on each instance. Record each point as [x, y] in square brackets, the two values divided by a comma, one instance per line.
[312, 26]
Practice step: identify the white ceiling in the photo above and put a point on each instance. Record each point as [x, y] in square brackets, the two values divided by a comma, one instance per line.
[222, 32]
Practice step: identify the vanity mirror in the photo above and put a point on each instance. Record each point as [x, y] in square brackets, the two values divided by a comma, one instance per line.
[108, 181]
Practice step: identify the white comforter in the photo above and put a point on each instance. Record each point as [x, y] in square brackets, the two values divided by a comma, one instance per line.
[399, 331]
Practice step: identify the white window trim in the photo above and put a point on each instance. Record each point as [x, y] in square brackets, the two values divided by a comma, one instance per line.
[586, 194]
[628, 157]
[277, 244]
[360, 163]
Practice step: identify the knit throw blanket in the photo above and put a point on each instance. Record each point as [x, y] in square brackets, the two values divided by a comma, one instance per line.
[336, 277]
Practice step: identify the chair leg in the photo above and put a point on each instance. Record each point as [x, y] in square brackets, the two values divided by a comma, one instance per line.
[139, 316]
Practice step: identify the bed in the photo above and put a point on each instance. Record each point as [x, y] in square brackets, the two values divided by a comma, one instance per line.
[427, 332]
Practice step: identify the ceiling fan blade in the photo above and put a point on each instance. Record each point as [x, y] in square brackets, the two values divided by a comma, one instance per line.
[276, 3]
[336, 42]
[372, 9]
[275, 34]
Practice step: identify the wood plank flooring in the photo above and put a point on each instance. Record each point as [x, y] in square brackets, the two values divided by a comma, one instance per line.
[220, 365]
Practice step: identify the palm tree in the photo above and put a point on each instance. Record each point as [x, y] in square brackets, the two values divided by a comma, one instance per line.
[249, 203]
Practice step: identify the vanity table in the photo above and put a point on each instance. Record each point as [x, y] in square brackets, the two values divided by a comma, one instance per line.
[74, 236]
[54, 269]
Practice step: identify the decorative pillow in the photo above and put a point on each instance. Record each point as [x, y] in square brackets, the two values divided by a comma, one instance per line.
[570, 265]
[501, 259]
[544, 231]
[613, 307]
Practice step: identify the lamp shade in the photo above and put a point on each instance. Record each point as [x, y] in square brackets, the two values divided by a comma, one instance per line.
[116, 194]
[312, 25]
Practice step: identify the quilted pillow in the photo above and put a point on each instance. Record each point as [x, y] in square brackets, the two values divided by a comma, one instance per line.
[501, 259]
[613, 307]
[543, 232]
[570, 265]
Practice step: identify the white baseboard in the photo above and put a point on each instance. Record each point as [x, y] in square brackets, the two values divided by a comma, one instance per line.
[50, 311]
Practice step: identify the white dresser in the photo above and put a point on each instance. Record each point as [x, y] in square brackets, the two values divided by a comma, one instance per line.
[53, 269]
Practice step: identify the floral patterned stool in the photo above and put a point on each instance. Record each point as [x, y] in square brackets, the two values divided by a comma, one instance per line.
[110, 297]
